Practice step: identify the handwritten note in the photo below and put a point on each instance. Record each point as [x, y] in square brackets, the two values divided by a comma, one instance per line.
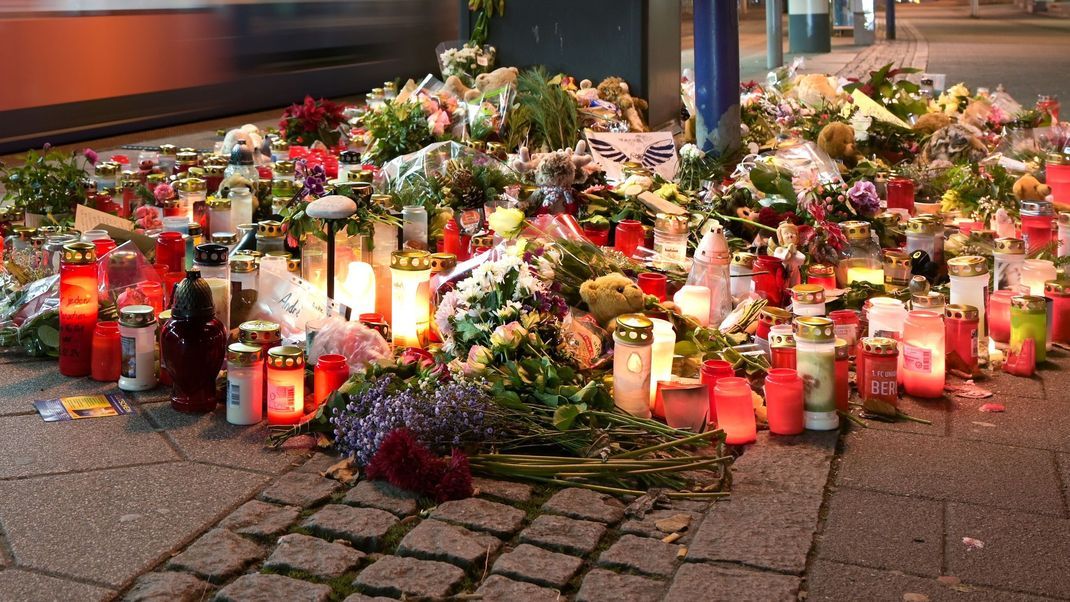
[87, 218]
[868, 106]
[656, 151]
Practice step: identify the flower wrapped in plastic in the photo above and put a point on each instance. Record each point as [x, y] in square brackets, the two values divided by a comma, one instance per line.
[465, 60]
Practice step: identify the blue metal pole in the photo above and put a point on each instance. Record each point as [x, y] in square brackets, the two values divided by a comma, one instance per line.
[889, 19]
[774, 34]
[717, 75]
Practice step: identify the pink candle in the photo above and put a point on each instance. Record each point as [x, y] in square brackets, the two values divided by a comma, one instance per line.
[735, 410]
[784, 401]
[712, 371]
[999, 315]
[923, 354]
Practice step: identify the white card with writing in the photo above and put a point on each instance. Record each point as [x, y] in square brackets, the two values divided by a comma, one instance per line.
[656, 151]
[87, 218]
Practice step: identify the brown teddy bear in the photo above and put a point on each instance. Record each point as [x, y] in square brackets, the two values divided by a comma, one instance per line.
[615, 90]
[955, 143]
[610, 296]
[837, 139]
[930, 122]
[1028, 188]
[502, 76]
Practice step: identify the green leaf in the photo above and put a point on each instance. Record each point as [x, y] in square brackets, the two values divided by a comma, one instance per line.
[566, 415]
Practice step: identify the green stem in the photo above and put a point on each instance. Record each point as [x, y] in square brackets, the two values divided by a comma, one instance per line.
[668, 444]
[743, 221]
[851, 417]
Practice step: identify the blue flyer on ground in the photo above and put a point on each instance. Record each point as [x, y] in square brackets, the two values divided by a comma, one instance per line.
[82, 406]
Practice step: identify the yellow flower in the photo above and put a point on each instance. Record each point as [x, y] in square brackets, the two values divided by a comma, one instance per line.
[506, 223]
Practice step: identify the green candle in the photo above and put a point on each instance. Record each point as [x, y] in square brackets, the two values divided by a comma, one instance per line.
[1029, 320]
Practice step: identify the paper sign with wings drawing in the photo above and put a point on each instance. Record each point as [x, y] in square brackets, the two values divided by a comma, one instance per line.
[654, 150]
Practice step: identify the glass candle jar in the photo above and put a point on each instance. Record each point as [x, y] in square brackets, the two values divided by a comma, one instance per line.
[710, 373]
[211, 260]
[193, 345]
[661, 356]
[171, 251]
[845, 324]
[767, 319]
[923, 351]
[106, 352]
[384, 244]
[245, 384]
[821, 275]
[653, 283]
[896, 271]
[628, 237]
[633, 340]
[285, 385]
[270, 237]
[769, 279]
[961, 337]
[878, 364]
[784, 401]
[861, 260]
[1029, 321]
[901, 194]
[782, 350]
[670, 240]
[815, 358]
[969, 286]
[694, 302]
[740, 272]
[843, 370]
[808, 300]
[999, 315]
[414, 227]
[1064, 234]
[191, 192]
[410, 274]
[886, 317]
[735, 410]
[1035, 272]
[219, 215]
[331, 372]
[241, 205]
[686, 406]
[923, 235]
[137, 342]
[78, 306]
[1059, 293]
[1037, 220]
[1008, 256]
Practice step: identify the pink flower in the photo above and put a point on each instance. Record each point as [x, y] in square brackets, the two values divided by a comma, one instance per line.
[478, 359]
[415, 355]
[438, 122]
[163, 192]
[147, 218]
[90, 155]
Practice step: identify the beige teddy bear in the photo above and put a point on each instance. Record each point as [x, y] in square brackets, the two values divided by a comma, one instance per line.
[615, 90]
[610, 296]
[500, 77]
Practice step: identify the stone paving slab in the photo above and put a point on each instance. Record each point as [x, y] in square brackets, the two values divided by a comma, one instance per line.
[798, 463]
[585, 504]
[1033, 423]
[481, 515]
[31, 446]
[647, 526]
[112, 525]
[26, 586]
[563, 534]
[1023, 552]
[436, 540]
[884, 531]
[1063, 460]
[1057, 385]
[949, 469]
[314, 556]
[24, 382]
[382, 495]
[501, 589]
[601, 585]
[261, 519]
[171, 586]
[210, 438]
[536, 565]
[758, 528]
[505, 490]
[836, 582]
[269, 588]
[712, 583]
[362, 527]
[398, 576]
[1006, 386]
[300, 489]
[217, 556]
[641, 555]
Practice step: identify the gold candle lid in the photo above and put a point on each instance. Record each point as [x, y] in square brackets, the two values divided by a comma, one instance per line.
[156, 178]
[137, 316]
[219, 203]
[1030, 303]
[744, 259]
[634, 328]
[243, 264]
[214, 170]
[410, 260]
[921, 225]
[782, 339]
[931, 300]
[962, 312]
[442, 262]
[1057, 287]
[284, 188]
[383, 200]
[896, 259]
[259, 332]
[811, 294]
[674, 223]
[191, 185]
[225, 238]
[815, 329]
[286, 357]
[168, 150]
[269, 229]
[79, 253]
[243, 355]
[775, 316]
[880, 346]
[967, 265]
[843, 350]
[285, 167]
[855, 230]
[293, 264]
[1009, 246]
[106, 168]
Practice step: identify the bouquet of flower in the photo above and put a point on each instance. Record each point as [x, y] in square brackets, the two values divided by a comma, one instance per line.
[313, 121]
[466, 62]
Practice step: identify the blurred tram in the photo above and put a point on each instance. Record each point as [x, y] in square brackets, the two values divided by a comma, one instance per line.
[80, 69]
